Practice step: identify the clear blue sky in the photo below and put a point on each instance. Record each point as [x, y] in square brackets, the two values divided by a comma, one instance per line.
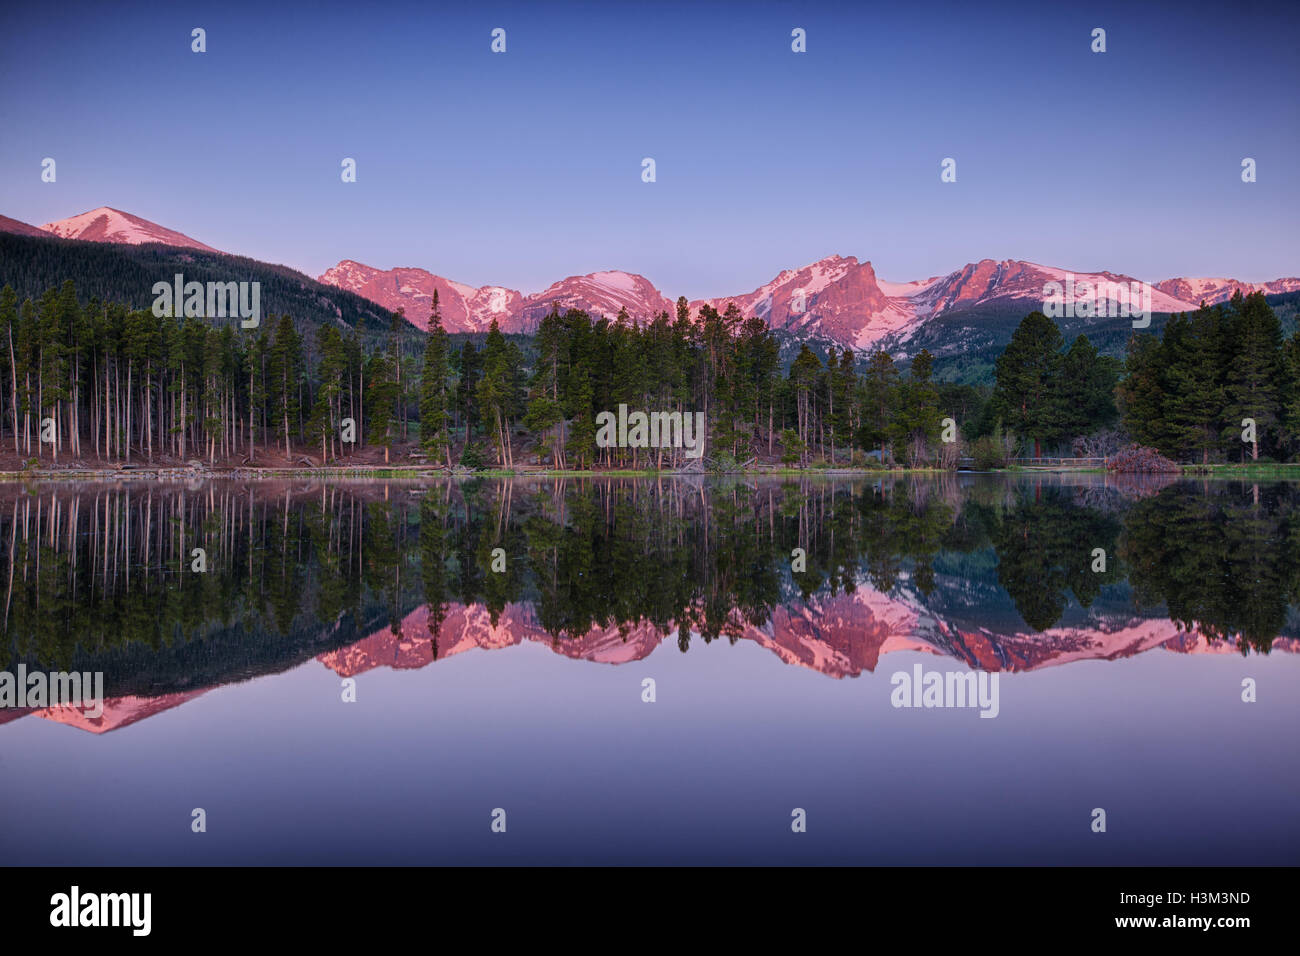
[521, 168]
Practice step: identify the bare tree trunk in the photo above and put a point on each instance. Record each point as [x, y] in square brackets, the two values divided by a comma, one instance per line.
[128, 410]
[13, 393]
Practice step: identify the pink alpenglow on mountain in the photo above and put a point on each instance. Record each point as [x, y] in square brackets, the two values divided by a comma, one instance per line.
[600, 293]
[837, 298]
[19, 228]
[467, 309]
[463, 307]
[113, 225]
[1213, 291]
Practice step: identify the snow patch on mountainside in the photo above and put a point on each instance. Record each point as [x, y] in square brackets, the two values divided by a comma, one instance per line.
[113, 225]
[616, 280]
[906, 290]
[838, 299]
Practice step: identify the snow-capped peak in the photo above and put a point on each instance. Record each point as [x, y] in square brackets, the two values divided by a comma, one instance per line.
[112, 225]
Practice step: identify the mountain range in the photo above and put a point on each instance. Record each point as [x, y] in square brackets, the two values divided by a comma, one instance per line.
[837, 300]
[843, 300]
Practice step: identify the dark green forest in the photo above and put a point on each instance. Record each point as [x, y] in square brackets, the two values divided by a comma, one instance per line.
[1190, 392]
[88, 373]
[110, 272]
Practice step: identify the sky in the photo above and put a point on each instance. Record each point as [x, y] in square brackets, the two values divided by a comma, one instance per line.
[522, 167]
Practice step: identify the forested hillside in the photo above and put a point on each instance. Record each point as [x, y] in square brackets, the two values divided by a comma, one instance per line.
[88, 378]
[126, 274]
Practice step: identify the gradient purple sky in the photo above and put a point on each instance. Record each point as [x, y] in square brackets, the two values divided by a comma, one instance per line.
[520, 168]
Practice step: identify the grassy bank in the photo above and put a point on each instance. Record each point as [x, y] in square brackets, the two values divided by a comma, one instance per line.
[1246, 470]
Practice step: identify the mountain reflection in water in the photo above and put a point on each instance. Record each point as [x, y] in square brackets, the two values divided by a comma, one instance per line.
[999, 574]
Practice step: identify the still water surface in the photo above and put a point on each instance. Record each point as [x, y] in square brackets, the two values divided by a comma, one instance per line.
[1118, 686]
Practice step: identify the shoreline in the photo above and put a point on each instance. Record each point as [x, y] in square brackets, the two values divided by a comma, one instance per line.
[371, 471]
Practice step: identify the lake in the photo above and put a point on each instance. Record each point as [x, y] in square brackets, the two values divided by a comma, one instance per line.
[901, 670]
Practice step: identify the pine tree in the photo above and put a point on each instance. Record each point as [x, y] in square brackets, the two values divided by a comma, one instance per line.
[381, 399]
[841, 414]
[499, 389]
[1087, 388]
[805, 372]
[1026, 394]
[582, 439]
[1194, 398]
[878, 392]
[323, 423]
[916, 425]
[9, 319]
[210, 420]
[50, 351]
[1291, 394]
[27, 351]
[1142, 395]
[760, 356]
[434, 389]
[545, 415]
[471, 370]
[286, 361]
[1254, 387]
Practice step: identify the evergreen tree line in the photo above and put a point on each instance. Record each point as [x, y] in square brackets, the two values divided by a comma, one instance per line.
[98, 379]
[125, 385]
[1189, 392]
[719, 364]
[115, 272]
[1050, 395]
[1217, 384]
